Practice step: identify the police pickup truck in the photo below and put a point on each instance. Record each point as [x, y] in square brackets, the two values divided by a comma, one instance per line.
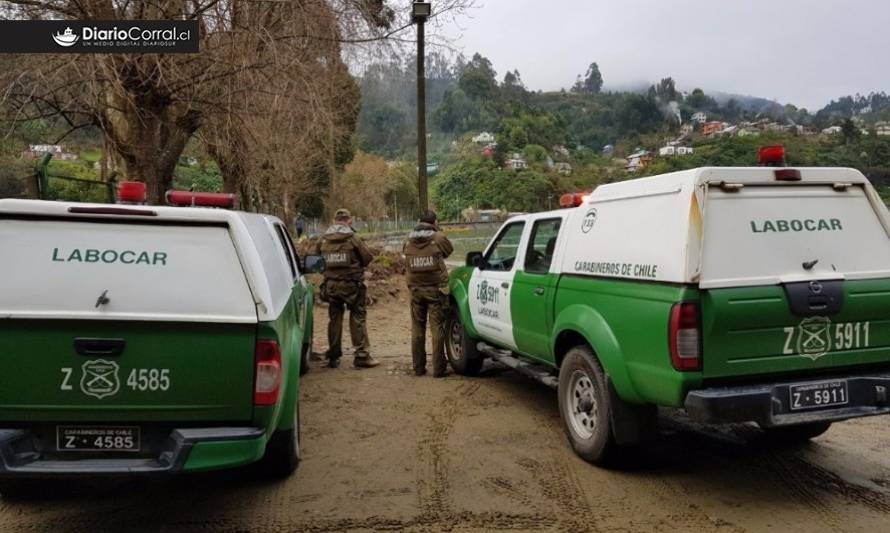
[148, 339]
[755, 294]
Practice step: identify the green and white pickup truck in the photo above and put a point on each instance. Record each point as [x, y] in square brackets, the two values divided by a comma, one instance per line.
[143, 339]
[738, 294]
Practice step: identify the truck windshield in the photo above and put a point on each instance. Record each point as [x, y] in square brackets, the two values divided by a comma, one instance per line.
[768, 234]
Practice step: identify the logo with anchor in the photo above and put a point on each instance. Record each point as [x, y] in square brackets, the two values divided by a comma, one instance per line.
[100, 378]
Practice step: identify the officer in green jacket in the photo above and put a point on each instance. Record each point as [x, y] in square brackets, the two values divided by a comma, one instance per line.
[425, 252]
[346, 257]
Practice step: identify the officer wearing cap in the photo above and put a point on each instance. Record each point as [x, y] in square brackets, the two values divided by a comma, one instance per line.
[425, 252]
[346, 257]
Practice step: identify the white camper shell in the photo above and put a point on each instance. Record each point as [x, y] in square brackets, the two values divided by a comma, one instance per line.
[217, 266]
[730, 227]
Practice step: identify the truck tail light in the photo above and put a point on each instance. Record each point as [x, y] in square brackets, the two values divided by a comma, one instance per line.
[685, 337]
[267, 387]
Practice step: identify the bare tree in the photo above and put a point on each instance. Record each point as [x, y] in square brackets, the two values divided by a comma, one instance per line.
[269, 94]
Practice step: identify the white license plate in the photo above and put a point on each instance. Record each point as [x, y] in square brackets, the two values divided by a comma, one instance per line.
[98, 438]
[818, 395]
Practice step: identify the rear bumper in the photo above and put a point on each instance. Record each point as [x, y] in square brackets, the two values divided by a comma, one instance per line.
[192, 449]
[768, 404]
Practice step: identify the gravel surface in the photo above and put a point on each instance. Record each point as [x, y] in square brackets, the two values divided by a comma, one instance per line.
[384, 450]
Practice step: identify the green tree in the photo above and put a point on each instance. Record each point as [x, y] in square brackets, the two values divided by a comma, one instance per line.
[592, 83]
[666, 90]
[850, 131]
[478, 79]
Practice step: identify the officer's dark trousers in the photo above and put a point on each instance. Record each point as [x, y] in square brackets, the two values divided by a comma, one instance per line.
[343, 295]
[433, 303]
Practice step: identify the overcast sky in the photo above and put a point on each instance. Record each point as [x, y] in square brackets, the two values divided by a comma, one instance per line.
[806, 52]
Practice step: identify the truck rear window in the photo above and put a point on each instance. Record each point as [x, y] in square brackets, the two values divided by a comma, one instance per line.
[124, 271]
[768, 234]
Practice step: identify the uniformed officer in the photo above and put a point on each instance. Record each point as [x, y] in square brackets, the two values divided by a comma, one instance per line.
[425, 252]
[346, 257]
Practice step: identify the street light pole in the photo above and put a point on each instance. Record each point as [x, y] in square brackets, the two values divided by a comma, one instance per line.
[421, 11]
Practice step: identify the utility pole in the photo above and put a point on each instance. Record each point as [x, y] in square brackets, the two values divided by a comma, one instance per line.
[421, 11]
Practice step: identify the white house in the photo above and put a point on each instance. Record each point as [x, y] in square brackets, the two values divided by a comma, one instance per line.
[561, 150]
[484, 138]
[45, 148]
[670, 151]
[833, 130]
[882, 127]
[516, 163]
[701, 117]
[564, 168]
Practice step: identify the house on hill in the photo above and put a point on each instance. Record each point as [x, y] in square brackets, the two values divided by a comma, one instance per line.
[638, 160]
[882, 127]
[710, 128]
[701, 117]
[36, 151]
[672, 150]
[516, 163]
[564, 168]
[484, 138]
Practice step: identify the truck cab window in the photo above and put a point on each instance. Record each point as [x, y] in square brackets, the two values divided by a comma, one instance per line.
[287, 248]
[541, 245]
[502, 254]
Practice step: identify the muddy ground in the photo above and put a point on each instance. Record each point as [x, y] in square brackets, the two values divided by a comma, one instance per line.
[387, 451]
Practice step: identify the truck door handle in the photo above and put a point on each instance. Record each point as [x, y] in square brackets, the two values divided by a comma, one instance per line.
[99, 347]
[505, 285]
[539, 291]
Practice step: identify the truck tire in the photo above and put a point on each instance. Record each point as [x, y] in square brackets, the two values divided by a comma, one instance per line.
[282, 455]
[21, 489]
[796, 434]
[460, 347]
[585, 407]
[304, 359]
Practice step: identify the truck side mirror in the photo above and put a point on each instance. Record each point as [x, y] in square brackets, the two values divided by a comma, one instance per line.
[475, 260]
[314, 264]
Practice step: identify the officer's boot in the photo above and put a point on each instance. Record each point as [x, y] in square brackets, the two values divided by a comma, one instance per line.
[365, 362]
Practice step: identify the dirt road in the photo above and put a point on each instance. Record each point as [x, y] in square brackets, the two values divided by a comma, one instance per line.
[387, 451]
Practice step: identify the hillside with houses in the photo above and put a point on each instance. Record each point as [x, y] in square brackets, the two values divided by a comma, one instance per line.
[498, 147]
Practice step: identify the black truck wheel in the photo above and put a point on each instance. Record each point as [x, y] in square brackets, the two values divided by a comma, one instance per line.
[585, 406]
[460, 347]
[282, 455]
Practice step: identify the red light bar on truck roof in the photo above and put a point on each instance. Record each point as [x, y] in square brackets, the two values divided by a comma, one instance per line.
[202, 199]
[774, 156]
[771, 156]
[573, 199]
[131, 192]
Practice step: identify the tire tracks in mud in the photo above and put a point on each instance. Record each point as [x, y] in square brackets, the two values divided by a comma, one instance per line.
[815, 485]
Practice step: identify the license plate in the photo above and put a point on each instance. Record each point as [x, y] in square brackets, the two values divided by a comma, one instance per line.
[818, 395]
[98, 438]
